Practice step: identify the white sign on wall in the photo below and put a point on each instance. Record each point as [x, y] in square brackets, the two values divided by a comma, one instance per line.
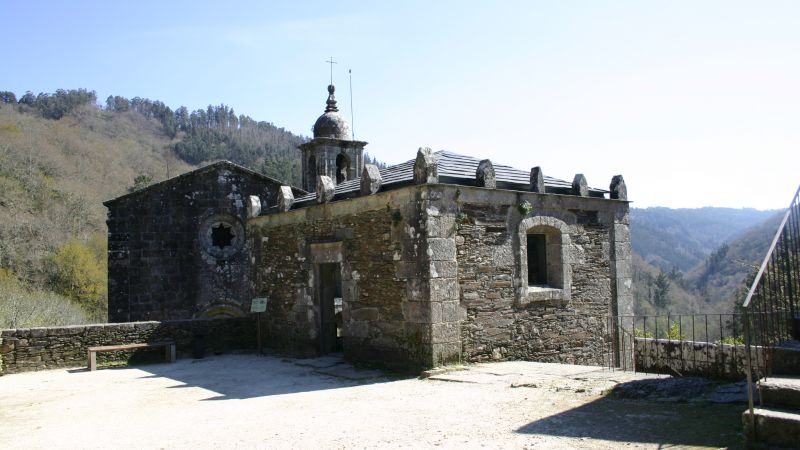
[258, 305]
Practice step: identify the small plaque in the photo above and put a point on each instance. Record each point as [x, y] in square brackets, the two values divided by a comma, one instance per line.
[258, 305]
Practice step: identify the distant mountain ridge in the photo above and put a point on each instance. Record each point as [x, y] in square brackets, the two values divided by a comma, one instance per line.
[683, 238]
[702, 256]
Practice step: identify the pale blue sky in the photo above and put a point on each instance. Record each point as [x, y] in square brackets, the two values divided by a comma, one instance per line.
[696, 103]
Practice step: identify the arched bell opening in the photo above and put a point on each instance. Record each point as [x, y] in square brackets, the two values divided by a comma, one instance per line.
[342, 167]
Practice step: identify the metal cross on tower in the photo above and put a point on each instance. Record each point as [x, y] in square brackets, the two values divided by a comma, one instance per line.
[331, 62]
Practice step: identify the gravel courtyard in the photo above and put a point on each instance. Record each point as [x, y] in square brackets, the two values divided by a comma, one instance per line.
[249, 401]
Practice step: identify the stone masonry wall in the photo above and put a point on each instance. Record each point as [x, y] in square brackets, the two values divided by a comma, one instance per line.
[30, 349]
[386, 316]
[432, 274]
[690, 358]
[504, 320]
[574, 332]
[159, 266]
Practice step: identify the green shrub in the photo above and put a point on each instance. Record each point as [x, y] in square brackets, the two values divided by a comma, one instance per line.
[524, 208]
[732, 340]
[642, 334]
[80, 274]
[674, 333]
[140, 182]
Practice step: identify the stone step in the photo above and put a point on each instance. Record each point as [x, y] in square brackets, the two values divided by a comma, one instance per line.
[786, 359]
[773, 427]
[781, 391]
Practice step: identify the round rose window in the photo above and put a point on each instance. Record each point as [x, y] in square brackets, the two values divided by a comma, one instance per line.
[222, 236]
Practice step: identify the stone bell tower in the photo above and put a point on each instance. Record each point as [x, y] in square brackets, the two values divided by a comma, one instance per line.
[332, 152]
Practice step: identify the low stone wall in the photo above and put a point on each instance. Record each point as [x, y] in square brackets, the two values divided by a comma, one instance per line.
[29, 349]
[687, 358]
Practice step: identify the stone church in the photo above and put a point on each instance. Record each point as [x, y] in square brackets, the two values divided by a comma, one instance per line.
[441, 259]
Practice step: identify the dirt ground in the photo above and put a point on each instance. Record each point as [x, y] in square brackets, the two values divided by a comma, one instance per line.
[249, 401]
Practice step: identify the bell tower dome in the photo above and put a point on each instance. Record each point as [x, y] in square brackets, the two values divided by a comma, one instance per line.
[333, 152]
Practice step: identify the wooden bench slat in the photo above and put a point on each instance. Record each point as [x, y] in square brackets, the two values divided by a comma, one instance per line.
[92, 351]
[108, 348]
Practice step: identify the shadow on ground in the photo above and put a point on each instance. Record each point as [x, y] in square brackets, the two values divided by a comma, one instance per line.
[667, 422]
[248, 376]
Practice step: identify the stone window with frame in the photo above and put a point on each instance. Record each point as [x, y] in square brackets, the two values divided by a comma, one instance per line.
[545, 271]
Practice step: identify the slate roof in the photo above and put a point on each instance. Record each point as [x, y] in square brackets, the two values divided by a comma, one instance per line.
[222, 163]
[453, 168]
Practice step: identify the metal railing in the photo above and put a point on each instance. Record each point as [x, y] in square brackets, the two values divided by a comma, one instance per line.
[682, 344]
[770, 309]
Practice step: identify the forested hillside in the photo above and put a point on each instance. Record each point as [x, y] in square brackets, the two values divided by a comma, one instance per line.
[696, 260]
[725, 269]
[658, 292]
[218, 133]
[62, 155]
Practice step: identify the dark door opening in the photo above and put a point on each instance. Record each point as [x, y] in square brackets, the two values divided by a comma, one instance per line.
[330, 302]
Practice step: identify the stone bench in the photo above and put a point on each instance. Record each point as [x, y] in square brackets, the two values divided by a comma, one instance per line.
[169, 347]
